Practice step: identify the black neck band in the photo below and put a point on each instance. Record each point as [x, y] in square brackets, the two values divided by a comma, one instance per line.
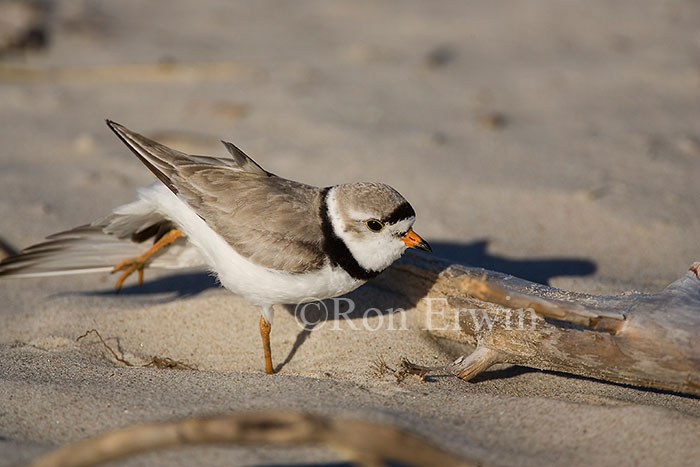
[335, 247]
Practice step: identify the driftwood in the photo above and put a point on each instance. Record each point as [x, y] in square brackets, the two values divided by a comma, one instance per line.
[365, 443]
[650, 340]
[638, 339]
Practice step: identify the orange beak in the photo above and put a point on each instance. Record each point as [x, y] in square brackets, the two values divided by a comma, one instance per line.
[413, 240]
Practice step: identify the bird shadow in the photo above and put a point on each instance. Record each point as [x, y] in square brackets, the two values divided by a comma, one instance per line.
[540, 270]
[363, 303]
[167, 288]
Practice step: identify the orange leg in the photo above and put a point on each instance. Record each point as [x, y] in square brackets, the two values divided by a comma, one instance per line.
[265, 328]
[130, 265]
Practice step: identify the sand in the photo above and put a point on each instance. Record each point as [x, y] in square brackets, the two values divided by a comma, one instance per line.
[556, 141]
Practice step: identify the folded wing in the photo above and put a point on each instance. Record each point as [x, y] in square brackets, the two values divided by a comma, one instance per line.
[269, 220]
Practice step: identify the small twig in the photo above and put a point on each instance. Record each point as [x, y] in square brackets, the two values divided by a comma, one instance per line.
[410, 368]
[406, 368]
[379, 367]
[162, 363]
[99, 336]
[168, 363]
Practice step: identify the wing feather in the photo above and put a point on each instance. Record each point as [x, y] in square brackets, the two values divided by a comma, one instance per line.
[269, 220]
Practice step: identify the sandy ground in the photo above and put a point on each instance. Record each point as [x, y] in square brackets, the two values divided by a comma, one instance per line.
[556, 141]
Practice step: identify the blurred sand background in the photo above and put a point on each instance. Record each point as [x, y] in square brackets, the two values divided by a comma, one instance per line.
[558, 141]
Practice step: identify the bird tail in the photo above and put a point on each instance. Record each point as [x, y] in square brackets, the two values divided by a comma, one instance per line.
[81, 250]
[100, 246]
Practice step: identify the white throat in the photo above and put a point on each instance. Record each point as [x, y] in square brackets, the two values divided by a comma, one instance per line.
[375, 251]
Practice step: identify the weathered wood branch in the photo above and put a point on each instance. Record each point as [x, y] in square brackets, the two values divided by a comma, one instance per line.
[366, 443]
[650, 340]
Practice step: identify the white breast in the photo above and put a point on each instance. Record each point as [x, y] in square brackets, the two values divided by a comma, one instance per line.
[259, 285]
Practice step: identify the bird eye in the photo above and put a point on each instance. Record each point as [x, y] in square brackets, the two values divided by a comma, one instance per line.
[374, 225]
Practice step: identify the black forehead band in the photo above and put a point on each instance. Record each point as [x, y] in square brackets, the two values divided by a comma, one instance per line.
[404, 211]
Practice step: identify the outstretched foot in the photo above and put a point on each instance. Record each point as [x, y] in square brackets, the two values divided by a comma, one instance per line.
[129, 265]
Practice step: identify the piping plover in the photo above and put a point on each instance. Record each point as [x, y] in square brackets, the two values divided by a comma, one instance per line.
[268, 239]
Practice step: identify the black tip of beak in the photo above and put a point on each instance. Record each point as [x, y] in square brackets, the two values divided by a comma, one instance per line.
[423, 245]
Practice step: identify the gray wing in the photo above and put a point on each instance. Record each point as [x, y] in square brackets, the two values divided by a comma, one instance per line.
[269, 220]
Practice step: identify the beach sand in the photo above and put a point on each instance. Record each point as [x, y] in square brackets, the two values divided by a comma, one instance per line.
[555, 141]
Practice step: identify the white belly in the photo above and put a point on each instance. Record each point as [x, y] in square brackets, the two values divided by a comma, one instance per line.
[259, 285]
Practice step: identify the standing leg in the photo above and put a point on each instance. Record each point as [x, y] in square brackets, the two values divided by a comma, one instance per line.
[265, 327]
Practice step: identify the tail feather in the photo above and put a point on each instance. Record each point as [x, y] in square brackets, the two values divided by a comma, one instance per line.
[81, 250]
[99, 246]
